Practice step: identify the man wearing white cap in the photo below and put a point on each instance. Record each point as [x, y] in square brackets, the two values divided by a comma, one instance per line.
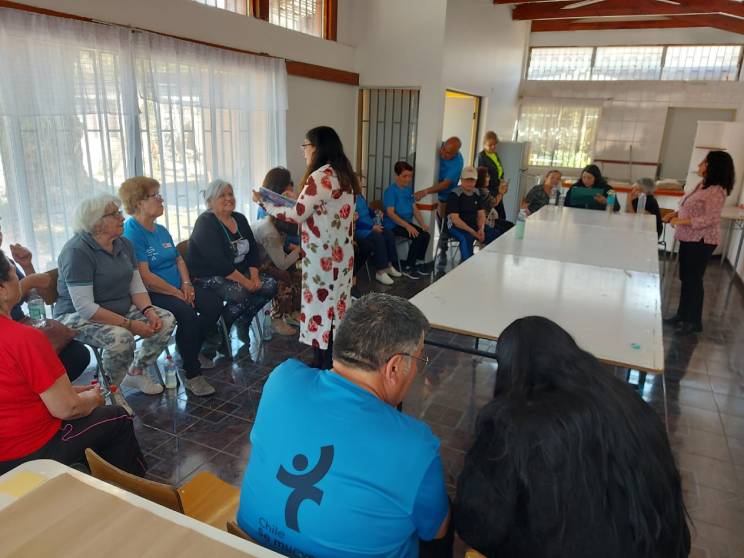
[466, 214]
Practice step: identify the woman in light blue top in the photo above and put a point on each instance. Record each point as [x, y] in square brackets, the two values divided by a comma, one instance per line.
[166, 277]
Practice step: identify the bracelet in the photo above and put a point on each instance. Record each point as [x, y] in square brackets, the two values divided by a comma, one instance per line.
[188, 284]
[146, 308]
[126, 323]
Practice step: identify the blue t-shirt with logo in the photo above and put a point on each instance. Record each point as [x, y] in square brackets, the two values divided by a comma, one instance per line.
[336, 472]
[452, 169]
[156, 248]
[401, 200]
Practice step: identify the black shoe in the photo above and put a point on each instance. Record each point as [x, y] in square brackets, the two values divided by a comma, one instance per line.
[672, 320]
[422, 271]
[685, 328]
[408, 271]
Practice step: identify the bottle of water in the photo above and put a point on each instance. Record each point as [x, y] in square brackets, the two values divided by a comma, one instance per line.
[611, 197]
[171, 380]
[378, 217]
[36, 309]
[553, 199]
[266, 322]
[519, 227]
[641, 208]
[118, 399]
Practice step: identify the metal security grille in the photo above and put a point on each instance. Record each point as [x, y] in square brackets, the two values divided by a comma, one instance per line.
[560, 136]
[714, 63]
[702, 62]
[305, 16]
[387, 134]
[613, 63]
[237, 6]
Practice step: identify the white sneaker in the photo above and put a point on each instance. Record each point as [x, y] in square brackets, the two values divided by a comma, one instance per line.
[383, 278]
[282, 328]
[199, 386]
[143, 383]
[205, 362]
[393, 272]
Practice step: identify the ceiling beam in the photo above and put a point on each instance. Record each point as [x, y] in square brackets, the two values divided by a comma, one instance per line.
[558, 10]
[715, 21]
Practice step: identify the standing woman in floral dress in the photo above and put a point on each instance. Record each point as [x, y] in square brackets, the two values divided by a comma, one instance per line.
[325, 211]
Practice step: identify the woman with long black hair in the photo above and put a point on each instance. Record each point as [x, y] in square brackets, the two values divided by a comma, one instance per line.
[591, 177]
[325, 210]
[698, 230]
[568, 460]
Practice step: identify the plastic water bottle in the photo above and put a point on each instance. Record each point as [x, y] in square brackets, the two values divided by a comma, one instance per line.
[171, 380]
[118, 399]
[378, 218]
[266, 322]
[558, 198]
[553, 199]
[519, 227]
[611, 197]
[641, 208]
[36, 309]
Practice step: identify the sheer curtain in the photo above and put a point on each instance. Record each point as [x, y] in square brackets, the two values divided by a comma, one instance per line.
[83, 106]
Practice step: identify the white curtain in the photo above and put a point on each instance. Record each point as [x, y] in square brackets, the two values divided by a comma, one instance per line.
[84, 106]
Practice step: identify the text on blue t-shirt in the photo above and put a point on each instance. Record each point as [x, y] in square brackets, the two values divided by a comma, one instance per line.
[155, 248]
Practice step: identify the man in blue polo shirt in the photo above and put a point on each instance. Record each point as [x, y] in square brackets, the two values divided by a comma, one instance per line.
[335, 469]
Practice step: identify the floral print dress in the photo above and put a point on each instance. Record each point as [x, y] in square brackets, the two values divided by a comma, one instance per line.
[326, 215]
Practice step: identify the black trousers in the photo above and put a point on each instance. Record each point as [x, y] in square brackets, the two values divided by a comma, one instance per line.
[418, 246]
[381, 246]
[108, 431]
[194, 324]
[75, 358]
[693, 259]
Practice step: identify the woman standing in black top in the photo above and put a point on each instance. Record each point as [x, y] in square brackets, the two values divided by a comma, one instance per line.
[223, 260]
[568, 461]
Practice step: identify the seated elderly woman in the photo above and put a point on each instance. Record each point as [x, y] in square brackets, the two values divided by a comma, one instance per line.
[539, 196]
[645, 186]
[42, 416]
[224, 258]
[166, 277]
[73, 354]
[278, 262]
[101, 296]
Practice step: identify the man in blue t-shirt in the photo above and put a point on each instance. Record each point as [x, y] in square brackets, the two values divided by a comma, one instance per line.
[335, 469]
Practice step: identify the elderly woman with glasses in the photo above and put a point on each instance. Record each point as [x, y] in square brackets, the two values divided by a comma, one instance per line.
[102, 297]
[224, 259]
[167, 279]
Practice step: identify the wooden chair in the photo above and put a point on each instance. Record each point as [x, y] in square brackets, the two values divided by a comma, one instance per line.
[206, 497]
[234, 529]
[470, 553]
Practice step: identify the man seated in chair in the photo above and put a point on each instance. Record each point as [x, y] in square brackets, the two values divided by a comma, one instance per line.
[466, 214]
[335, 469]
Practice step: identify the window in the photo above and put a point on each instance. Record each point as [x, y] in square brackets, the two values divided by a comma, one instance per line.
[560, 135]
[613, 63]
[714, 63]
[87, 106]
[305, 16]
[387, 134]
[560, 63]
[237, 6]
[706, 62]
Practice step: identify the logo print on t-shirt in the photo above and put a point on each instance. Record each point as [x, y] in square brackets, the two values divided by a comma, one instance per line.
[304, 484]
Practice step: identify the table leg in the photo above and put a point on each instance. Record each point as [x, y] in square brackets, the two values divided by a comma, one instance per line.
[738, 252]
[727, 241]
[666, 404]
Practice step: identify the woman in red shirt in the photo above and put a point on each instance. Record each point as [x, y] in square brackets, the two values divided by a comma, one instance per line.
[42, 416]
[698, 224]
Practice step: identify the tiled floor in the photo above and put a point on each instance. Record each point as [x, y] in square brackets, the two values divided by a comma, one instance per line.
[183, 435]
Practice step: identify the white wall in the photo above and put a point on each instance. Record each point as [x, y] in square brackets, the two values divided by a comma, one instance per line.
[483, 55]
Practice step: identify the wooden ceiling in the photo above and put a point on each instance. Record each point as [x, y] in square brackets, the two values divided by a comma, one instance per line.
[577, 15]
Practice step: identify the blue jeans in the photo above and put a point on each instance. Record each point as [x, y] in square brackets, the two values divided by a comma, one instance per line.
[466, 240]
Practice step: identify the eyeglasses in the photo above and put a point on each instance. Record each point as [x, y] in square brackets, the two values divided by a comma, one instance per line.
[156, 195]
[116, 213]
[304, 145]
[424, 359]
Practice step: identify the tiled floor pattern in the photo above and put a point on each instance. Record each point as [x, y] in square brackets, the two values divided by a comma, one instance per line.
[183, 435]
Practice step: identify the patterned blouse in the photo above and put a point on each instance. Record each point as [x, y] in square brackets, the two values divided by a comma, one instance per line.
[704, 207]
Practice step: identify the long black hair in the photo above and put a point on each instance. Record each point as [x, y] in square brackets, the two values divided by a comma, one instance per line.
[599, 180]
[330, 151]
[606, 438]
[5, 267]
[720, 171]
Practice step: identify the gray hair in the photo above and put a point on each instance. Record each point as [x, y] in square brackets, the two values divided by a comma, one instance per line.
[90, 212]
[647, 184]
[215, 189]
[376, 327]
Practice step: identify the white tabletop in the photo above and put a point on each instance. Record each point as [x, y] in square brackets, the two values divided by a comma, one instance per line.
[614, 314]
[595, 218]
[49, 469]
[633, 249]
[733, 212]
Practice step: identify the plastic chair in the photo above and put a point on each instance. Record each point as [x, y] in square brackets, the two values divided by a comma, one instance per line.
[206, 497]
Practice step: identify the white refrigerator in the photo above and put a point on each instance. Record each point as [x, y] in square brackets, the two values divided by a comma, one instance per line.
[514, 156]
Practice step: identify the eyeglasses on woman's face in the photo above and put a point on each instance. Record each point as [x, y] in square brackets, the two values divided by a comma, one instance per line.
[157, 195]
[116, 214]
[305, 145]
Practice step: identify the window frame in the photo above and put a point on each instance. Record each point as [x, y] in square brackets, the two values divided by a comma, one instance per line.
[738, 73]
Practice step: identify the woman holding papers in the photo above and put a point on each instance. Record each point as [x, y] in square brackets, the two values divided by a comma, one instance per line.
[325, 210]
[595, 197]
